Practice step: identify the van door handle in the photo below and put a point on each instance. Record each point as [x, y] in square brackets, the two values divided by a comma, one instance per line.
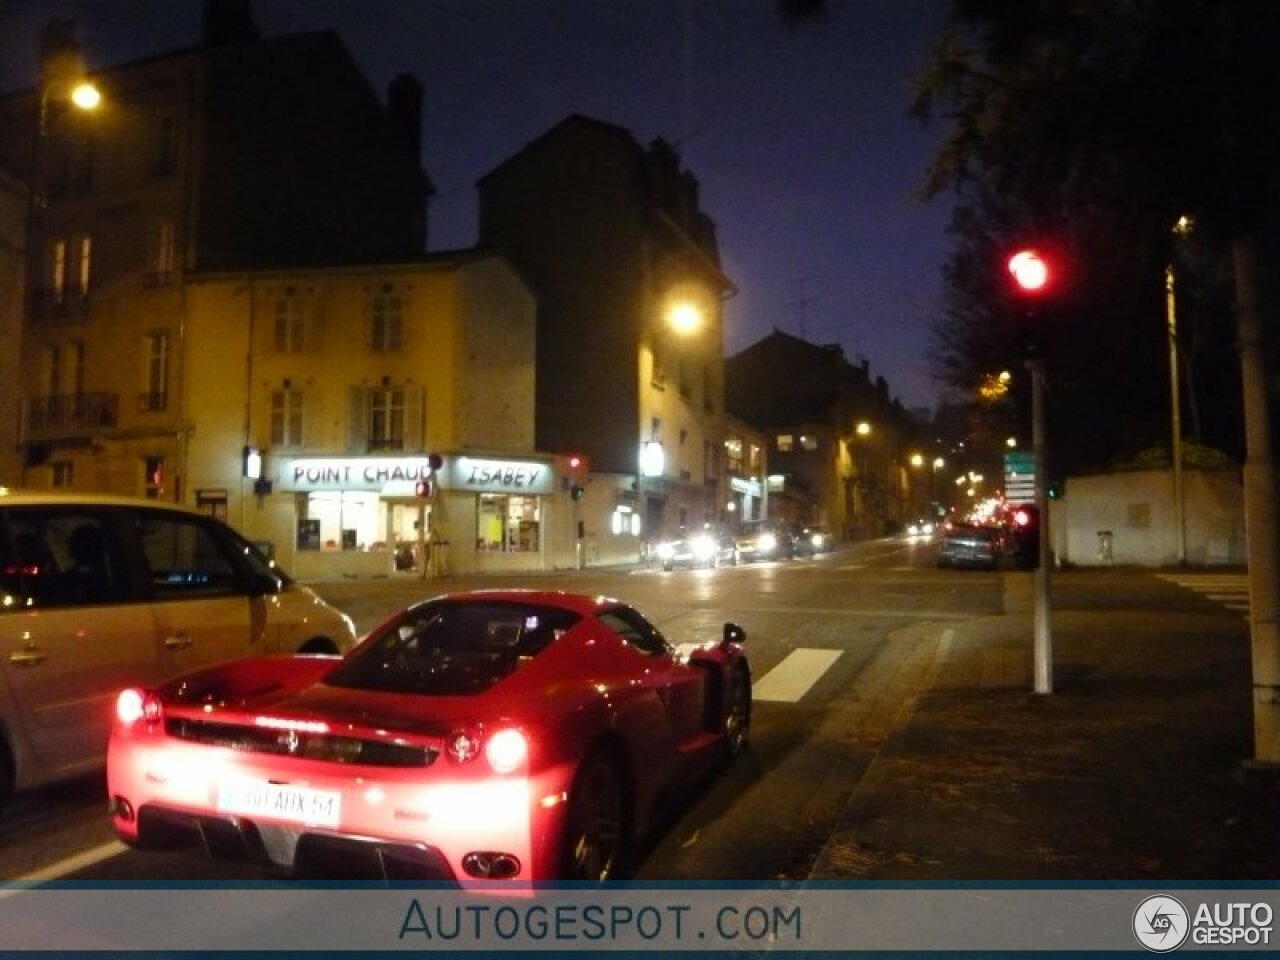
[30, 657]
[179, 641]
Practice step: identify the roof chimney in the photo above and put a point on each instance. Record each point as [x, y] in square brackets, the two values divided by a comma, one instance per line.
[227, 22]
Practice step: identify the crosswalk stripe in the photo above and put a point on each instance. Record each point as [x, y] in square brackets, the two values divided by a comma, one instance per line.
[791, 679]
[1229, 589]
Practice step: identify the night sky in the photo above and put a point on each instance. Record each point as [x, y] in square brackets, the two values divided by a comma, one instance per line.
[799, 137]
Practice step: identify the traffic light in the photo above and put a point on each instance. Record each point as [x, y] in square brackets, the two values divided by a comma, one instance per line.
[1031, 272]
[1026, 536]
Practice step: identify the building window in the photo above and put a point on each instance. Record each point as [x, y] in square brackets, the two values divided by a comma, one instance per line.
[659, 366]
[75, 366]
[164, 146]
[289, 322]
[755, 460]
[386, 418]
[808, 442]
[386, 309]
[153, 477]
[62, 474]
[155, 372]
[286, 418]
[786, 442]
[162, 254]
[83, 263]
[58, 271]
[733, 454]
[507, 524]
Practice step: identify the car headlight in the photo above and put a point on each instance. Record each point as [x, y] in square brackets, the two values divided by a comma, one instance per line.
[666, 550]
[818, 540]
[703, 547]
[767, 542]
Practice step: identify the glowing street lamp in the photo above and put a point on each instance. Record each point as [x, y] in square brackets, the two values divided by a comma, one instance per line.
[685, 318]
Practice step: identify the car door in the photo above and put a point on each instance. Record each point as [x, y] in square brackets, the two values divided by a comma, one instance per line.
[203, 608]
[679, 688]
[72, 635]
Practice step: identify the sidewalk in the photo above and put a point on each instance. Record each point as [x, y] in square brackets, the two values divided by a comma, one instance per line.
[1132, 769]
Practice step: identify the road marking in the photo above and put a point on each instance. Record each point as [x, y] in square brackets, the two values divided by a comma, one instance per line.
[79, 861]
[791, 679]
[1229, 589]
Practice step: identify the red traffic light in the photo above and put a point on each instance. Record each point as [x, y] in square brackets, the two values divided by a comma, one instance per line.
[577, 462]
[1030, 271]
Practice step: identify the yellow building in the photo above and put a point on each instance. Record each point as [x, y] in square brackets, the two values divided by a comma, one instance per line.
[322, 399]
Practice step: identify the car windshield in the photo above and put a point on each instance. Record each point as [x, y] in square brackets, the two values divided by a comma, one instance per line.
[446, 648]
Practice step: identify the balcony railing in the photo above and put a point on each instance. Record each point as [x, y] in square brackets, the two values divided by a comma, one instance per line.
[70, 415]
[60, 305]
[153, 402]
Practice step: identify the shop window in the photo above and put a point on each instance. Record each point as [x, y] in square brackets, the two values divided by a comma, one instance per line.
[342, 520]
[153, 470]
[508, 524]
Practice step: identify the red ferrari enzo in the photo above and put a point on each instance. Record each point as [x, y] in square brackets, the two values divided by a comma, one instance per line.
[513, 736]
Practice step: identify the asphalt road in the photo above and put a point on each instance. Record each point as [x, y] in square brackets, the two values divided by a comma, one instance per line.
[840, 645]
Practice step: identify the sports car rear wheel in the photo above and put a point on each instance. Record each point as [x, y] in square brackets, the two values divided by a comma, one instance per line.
[737, 717]
[595, 830]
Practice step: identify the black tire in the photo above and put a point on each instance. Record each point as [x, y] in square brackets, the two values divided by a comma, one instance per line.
[595, 828]
[737, 713]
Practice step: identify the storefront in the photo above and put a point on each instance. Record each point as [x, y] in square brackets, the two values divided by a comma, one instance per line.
[415, 515]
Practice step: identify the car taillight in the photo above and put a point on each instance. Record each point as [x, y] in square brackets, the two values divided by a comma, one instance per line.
[506, 750]
[133, 705]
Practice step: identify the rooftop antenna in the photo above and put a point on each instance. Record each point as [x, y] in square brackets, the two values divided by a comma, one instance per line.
[804, 300]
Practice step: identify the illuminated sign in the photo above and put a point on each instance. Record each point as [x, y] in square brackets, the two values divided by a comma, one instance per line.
[741, 485]
[387, 475]
[484, 475]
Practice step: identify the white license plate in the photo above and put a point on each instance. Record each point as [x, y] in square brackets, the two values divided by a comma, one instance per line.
[280, 801]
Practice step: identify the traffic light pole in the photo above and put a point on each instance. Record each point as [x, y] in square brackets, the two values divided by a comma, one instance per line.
[1043, 667]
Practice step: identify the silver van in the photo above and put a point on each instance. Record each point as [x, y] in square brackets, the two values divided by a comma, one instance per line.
[98, 593]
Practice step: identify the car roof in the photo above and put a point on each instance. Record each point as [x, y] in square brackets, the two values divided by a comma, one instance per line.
[18, 497]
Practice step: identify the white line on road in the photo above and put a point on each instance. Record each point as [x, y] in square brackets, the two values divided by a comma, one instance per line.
[791, 679]
[79, 861]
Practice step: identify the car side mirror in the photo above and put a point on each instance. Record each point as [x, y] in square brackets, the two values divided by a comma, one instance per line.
[733, 634]
[263, 584]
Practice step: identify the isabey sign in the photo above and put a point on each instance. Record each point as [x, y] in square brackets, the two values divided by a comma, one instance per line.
[387, 475]
[483, 475]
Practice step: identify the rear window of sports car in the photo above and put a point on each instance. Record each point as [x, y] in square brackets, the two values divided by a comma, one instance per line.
[452, 649]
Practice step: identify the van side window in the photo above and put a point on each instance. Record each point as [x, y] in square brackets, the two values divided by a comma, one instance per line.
[183, 557]
[61, 558]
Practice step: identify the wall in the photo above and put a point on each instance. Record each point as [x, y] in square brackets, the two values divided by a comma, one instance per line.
[1137, 509]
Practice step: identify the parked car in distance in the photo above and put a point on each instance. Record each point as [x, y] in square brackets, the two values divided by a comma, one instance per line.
[700, 548]
[969, 545]
[759, 540]
[491, 739]
[98, 592]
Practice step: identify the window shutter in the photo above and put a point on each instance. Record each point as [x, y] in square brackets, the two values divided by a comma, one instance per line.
[357, 420]
[415, 405]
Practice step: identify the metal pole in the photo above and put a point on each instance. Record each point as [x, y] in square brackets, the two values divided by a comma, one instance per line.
[1175, 408]
[1043, 636]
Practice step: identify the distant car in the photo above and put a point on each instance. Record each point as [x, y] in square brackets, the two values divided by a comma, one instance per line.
[705, 548]
[966, 545]
[818, 538]
[507, 736]
[921, 527]
[762, 541]
[97, 592]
